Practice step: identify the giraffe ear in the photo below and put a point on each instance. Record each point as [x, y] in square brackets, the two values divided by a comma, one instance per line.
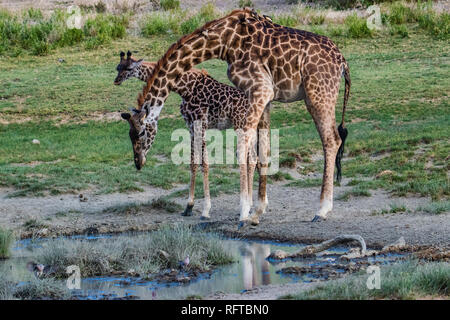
[125, 116]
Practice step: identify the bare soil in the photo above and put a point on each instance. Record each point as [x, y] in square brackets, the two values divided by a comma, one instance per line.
[288, 217]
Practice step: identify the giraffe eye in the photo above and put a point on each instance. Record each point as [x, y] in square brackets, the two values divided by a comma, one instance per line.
[142, 133]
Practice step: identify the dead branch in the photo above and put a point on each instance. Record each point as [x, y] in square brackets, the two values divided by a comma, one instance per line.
[315, 248]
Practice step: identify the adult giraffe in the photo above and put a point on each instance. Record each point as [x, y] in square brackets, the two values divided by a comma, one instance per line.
[267, 62]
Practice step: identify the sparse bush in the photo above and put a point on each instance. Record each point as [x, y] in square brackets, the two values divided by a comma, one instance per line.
[317, 19]
[357, 27]
[37, 289]
[436, 25]
[166, 205]
[6, 287]
[141, 253]
[169, 4]
[335, 31]
[6, 240]
[407, 280]
[206, 13]
[400, 14]
[100, 7]
[245, 3]
[436, 207]
[103, 28]
[286, 20]
[400, 30]
[38, 35]
[341, 4]
[159, 23]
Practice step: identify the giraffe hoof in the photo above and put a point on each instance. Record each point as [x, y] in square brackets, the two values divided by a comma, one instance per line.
[188, 211]
[205, 218]
[318, 219]
[254, 221]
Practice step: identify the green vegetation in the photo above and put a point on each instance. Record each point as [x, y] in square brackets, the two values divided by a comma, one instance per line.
[245, 3]
[409, 280]
[37, 289]
[38, 35]
[404, 130]
[169, 4]
[357, 27]
[6, 240]
[205, 14]
[357, 191]
[143, 253]
[305, 183]
[436, 207]
[6, 287]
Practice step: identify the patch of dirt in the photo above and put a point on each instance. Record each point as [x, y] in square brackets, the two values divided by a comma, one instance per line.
[288, 217]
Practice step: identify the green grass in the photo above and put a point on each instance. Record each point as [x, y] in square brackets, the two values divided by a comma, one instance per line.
[169, 4]
[437, 207]
[34, 33]
[357, 191]
[409, 280]
[37, 289]
[398, 107]
[6, 241]
[305, 183]
[140, 253]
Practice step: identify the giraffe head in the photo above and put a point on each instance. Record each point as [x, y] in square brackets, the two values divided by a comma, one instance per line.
[127, 68]
[142, 134]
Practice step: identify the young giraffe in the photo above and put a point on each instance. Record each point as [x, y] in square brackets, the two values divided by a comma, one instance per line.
[214, 104]
[267, 62]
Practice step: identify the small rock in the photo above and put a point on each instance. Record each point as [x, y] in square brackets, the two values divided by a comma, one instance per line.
[43, 232]
[36, 141]
[61, 60]
[278, 255]
[400, 243]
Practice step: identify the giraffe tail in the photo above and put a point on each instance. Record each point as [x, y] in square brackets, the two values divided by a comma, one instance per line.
[343, 132]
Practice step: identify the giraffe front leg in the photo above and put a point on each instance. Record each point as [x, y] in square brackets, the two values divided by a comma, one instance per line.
[205, 166]
[190, 204]
[251, 165]
[260, 95]
[243, 140]
[194, 167]
[263, 164]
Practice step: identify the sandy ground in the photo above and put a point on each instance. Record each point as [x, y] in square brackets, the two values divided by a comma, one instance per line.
[287, 218]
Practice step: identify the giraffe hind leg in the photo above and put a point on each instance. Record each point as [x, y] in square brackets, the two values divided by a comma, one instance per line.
[320, 102]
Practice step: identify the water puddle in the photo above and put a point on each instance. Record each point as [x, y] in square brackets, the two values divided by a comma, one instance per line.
[251, 270]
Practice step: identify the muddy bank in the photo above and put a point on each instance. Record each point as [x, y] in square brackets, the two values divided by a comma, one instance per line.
[287, 219]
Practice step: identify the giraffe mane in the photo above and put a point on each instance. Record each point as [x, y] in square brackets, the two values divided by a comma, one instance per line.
[196, 33]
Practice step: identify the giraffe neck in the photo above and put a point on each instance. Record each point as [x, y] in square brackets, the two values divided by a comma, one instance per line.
[223, 39]
[182, 84]
[175, 63]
